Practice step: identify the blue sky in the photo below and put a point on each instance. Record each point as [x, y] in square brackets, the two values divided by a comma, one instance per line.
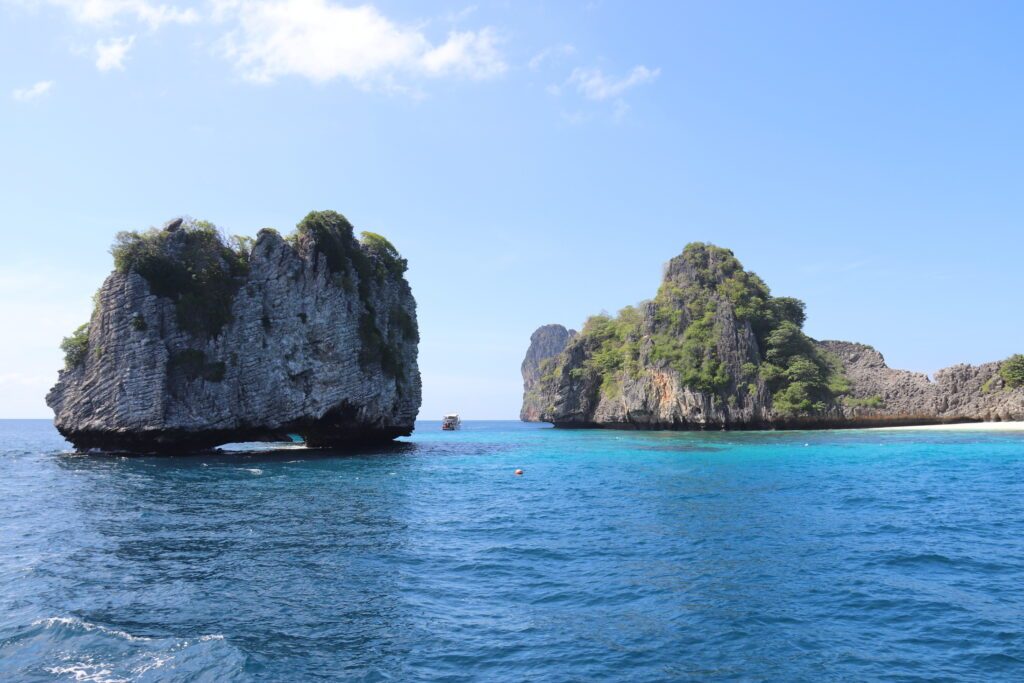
[535, 162]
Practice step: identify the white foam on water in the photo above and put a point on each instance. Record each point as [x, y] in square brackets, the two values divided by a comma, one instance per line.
[134, 662]
[86, 672]
[158, 661]
[74, 622]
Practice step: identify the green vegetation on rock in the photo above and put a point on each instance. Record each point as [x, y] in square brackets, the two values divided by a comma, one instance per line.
[387, 257]
[874, 402]
[802, 378]
[195, 266]
[201, 269]
[706, 291]
[75, 347]
[1012, 371]
[332, 235]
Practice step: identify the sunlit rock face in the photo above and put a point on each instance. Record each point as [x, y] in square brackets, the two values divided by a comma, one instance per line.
[546, 343]
[715, 350]
[313, 335]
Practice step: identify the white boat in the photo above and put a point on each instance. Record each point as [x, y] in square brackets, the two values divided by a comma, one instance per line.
[450, 422]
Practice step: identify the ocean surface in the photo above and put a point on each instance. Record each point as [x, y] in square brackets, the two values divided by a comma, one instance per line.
[802, 556]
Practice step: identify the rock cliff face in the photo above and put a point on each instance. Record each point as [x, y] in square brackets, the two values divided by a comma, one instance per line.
[714, 350]
[193, 343]
[546, 342]
[961, 393]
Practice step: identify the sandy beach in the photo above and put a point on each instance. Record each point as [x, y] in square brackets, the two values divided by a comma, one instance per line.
[967, 427]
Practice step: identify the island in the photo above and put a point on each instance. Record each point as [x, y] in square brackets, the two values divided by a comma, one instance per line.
[197, 340]
[715, 350]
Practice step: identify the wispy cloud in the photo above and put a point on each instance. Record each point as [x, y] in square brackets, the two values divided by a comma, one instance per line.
[595, 85]
[319, 40]
[152, 14]
[32, 92]
[464, 13]
[472, 54]
[110, 54]
[548, 53]
[322, 41]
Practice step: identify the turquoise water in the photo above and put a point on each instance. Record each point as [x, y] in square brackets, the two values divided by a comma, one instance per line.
[617, 556]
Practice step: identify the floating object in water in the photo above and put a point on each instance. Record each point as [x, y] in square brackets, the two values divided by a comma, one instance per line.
[519, 473]
[451, 422]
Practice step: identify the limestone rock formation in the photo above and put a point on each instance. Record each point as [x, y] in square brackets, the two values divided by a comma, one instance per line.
[194, 343]
[546, 342]
[715, 350]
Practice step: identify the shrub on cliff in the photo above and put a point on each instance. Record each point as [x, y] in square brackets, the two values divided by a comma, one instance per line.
[798, 375]
[381, 249]
[332, 235]
[614, 345]
[1012, 371]
[75, 347]
[685, 334]
[194, 265]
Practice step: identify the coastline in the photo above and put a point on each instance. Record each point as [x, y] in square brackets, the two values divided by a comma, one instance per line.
[963, 427]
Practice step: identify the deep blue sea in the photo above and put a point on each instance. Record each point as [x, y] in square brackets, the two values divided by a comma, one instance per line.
[801, 556]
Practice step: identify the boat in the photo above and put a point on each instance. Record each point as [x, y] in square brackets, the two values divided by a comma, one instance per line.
[450, 422]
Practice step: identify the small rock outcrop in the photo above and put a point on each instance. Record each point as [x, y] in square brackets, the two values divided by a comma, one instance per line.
[715, 350]
[196, 342]
[546, 342]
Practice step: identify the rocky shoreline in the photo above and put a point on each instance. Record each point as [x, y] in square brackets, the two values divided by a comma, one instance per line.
[714, 350]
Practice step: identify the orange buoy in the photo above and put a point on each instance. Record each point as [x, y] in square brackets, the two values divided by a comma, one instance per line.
[519, 473]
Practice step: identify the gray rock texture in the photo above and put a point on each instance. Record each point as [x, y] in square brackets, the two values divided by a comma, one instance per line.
[961, 393]
[547, 342]
[305, 351]
[648, 391]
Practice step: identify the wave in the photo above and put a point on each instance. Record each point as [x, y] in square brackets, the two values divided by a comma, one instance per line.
[73, 623]
[70, 648]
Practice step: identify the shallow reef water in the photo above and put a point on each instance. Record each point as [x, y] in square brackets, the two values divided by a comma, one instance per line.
[646, 556]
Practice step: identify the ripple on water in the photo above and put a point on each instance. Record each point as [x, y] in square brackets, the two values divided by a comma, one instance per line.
[617, 556]
[75, 649]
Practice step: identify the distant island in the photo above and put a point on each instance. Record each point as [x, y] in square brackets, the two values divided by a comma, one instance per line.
[715, 350]
[196, 340]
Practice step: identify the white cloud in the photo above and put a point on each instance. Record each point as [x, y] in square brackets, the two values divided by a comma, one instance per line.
[472, 54]
[549, 52]
[110, 54]
[321, 41]
[32, 92]
[594, 85]
[153, 14]
[465, 12]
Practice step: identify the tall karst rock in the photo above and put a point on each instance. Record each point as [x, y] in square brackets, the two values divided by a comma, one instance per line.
[196, 342]
[546, 342]
[714, 349]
